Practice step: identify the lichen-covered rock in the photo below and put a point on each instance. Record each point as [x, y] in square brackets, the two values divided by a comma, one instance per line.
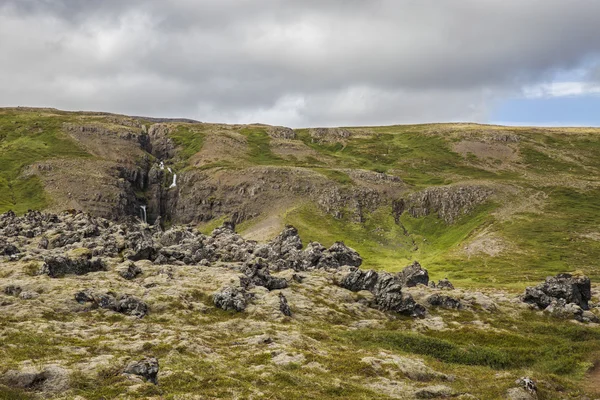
[344, 255]
[413, 275]
[231, 298]
[124, 304]
[50, 379]
[146, 368]
[12, 290]
[387, 291]
[445, 284]
[56, 266]
[130, 271]
[571, 289]
[256, 272]
[443, 301]
[284, 306]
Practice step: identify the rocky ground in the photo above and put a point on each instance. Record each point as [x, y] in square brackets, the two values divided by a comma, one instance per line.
[94, 309]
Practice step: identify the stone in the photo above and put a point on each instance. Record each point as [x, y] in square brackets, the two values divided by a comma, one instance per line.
[344, 255]
[146, 368]
[575, 290]
[387, 291]
[57, 266]
[284, 306]
[28, 295]
[50, 379]
[443, 301]
[130, 305]
[444, 284]
[413, 275]
[231, 298]
[12, 290]
[434, 392]
[131, 271]
[256, 272]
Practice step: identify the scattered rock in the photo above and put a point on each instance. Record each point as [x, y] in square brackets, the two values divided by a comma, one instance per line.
[146, 368]
[131, 271]
[572, 289]
[51, 379]
[12, 290]
[58, 266]
[439, 300]
[387, 290]
[124, 304]
[283, 306]
[256, 272]
[445, 284]
[231, 298]
[434, 392]
[413, 275]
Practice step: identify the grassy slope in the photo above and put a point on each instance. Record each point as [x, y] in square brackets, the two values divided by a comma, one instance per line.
[25, 138]
[563, 165]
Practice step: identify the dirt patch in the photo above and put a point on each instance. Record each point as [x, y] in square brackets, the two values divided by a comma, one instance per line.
[220, 147]
[592, 379]
[485, 243]
[487, 151]
[295, 150]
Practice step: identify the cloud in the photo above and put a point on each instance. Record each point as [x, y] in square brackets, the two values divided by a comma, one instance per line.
[292, 62]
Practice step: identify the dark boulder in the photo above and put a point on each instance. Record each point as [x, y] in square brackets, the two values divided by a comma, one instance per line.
[130, 305]
[360, 280]
[413, 275]
[575, 290]
[445, 284]
[256, 272]
[146, 368]
[443, 301]
[130, 272]
[57, 266]
[344, 255]
[387, 291]
[284, 306]
[231, 298]
[12, 290]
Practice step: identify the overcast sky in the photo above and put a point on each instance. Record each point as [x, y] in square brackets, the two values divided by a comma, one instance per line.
[307, 62]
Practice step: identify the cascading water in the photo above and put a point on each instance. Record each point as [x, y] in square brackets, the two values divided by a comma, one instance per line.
[143, 214]
[162, 165]
[174, 184]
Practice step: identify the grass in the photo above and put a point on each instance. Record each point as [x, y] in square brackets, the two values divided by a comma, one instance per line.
[26, 138]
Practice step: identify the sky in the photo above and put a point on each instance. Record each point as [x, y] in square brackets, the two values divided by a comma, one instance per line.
[303, 63]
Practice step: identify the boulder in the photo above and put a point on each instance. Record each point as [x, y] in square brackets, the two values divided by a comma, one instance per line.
[445, 284]
[387, 291]
[146, 368]
[284, 306]
[130, 271]
[50, 379]
[12, 290]
[344, 255]
[443, 301]
[124, 304]
[575, 290]
[57, 266]
[413, 275]
[231, 298]
[256, 272]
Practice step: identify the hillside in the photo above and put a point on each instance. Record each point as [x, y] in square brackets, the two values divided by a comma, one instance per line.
[493, 209]
[516, 203]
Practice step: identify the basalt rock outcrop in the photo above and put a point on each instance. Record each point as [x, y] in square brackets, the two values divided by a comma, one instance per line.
[413, 275]
[147, 368]
[124, 304]
[563, 296]
[387, 291]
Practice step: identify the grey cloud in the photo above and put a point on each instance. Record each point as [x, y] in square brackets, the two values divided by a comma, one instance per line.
[293, 62]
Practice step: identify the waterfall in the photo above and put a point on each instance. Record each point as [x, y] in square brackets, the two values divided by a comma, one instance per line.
[174, 184]
[170, 170]
[162, 165]
[143, 214]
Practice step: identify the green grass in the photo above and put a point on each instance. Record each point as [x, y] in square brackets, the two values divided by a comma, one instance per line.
[26, 138]
[189, 138]
[259, 150]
